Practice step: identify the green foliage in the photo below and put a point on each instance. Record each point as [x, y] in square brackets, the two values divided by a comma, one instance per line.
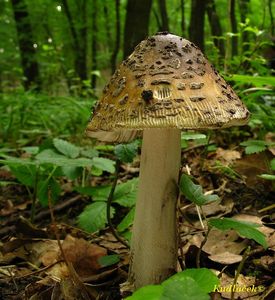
[94, 217]
[109, 260]
[189, 284]
[194, 192]
[245, 229]
[126, 152]
[42, 169]
[255, 146]
[267, 176]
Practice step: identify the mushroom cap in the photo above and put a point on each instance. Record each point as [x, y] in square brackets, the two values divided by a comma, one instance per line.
[165, 83]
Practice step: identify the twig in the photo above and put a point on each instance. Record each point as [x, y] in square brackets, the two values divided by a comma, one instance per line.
[108, 208]
[198, 257]
[75, 278]
[239, 269]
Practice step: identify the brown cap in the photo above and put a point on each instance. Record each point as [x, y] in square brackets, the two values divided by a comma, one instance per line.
[166, 82]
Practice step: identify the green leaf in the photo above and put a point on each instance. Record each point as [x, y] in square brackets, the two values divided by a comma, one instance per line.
[66, 148]
[90, 152]
[205, 278]
[267, 176]
[71, 172]
[194, 192]
[99, 193]
[125, 193]
[104, 164]
[272, 164]
[109, 260]
[126, 152]
[185, 289]
[24, 173]
[254, 80]
[149, 292]
[94, 217]
[192, 136]
[254, 146]
[245, 229]
[51, 157]
[43, 188]
[127, 221]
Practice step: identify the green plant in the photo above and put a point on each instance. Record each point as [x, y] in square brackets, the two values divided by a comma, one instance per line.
[190, 284]
[41, 170]
[94, 216]
[194, 193]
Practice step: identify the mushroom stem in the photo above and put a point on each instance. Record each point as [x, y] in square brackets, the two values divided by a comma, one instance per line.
[154, 240]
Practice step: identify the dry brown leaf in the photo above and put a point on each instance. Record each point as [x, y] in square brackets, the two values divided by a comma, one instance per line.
[226, 258]
[245, 287]
[222, 243]
[83, 255]
[227, 156]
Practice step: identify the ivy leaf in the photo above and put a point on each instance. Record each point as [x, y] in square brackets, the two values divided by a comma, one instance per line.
[126, 152]
[194, 192]
[66, 148]
[245, 229]
[94, 217]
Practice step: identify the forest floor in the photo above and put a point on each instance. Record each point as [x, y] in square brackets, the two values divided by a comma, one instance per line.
[32, 265]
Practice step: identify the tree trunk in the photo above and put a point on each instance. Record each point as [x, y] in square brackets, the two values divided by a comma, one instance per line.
[234, 27]
[94, 43]
[271, 17]
[164, 15]
[196, 27]
[182, 17]
[136, 24]
[107, 23]
[26, 45]
[244, 8]
[117, 42]
[154, 240]
[79, 39]
[215, 25]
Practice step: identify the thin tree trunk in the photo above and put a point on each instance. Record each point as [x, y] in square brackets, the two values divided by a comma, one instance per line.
[271, 17]
[79, 39]
[234, 27]
[117, 43]
[215, 25]
[244, 8]
[196, 27]
[136, 24]
[182, 17]
[94, 42]
[26, 45]
[164, 15]
[107, 24]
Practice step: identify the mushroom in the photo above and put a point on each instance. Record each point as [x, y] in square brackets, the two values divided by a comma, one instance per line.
[164, 86]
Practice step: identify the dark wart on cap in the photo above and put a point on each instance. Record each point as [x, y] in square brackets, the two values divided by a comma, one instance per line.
[163, 68]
